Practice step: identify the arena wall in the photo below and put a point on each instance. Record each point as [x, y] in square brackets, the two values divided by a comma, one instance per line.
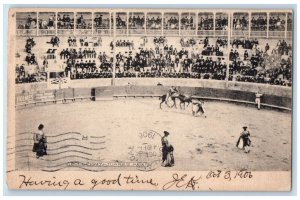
[239, 92]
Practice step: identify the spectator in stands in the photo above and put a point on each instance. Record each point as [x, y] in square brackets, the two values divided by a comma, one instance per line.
[98, 20]
[55, 41]
[65, 22]
[136, 22]
[206, 23]
[29, 23]
[240, 23]
[171, 23]
[187, 23]
[276, 24]
[289, 23]
[221, 23]
[120, 23]
[245, 43]
[259, 23]
[72, 41]
[30, 43]
[249, 61]
[44, 24]
[154, 23]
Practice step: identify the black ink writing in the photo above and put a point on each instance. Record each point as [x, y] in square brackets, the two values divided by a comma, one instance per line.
[27, 182]
[213, 174]
[115, 181]
[78, 182]
[243, 174]
[227, 175]
[182, 182]
[136, 180]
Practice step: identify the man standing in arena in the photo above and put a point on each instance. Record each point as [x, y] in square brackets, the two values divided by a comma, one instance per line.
[199, 107]
[40, 142]
[245, 136]
[258, 99]
[167, 151]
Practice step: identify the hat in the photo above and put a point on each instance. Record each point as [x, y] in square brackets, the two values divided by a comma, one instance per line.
[166, 133]
[245, 127]
[41, 126]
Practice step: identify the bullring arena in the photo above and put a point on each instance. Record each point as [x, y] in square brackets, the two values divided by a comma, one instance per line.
[100, 112]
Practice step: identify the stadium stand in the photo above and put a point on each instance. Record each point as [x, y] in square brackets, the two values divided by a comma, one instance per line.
[187, 45]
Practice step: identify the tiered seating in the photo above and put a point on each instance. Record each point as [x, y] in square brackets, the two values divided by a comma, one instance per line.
[206, 56]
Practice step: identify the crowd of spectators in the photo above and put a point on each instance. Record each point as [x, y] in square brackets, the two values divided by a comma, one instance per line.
[124, 43]
[160, 40]
[154, 22]
[276, 24]
[245, 43]
[54, 41]
[206, 23]
[164, 59]
[187, 42]
[136, 22]
[186, 57]
[72, 42]
[240, 23]
[259, 23]
[47, 24]
[82, 64]
[25, 77]
[65, 22]
[283, 48]
[167, 61]
[101, 21]
[29, 23]
[120, 23]
[171, 23]
[222, 42]
[221, 23]
[71, 53]
[30, 57]
[82, 23]
[262, 65]
[187, 23]
[86, 41]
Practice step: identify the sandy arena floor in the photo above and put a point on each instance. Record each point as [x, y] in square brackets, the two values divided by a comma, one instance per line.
[114, 131]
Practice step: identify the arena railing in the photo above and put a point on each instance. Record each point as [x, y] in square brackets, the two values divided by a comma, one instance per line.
[26, 32]
[274, 97]
[259, 34]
